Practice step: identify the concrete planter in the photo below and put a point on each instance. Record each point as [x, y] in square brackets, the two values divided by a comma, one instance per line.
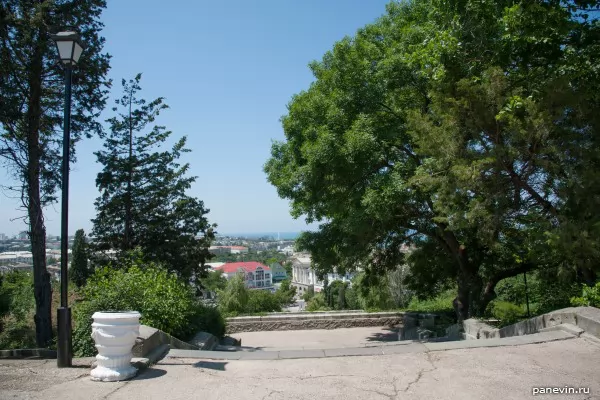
[114, 334]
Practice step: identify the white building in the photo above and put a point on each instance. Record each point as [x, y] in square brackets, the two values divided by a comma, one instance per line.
[214, 265]
[256, 275]
[239, 250]
[303, 276]
[228, 250]
[288, 250]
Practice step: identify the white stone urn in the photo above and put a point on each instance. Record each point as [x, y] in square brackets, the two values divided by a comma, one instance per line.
[115, 334]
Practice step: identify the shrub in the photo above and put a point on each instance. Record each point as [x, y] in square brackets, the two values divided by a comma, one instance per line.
[554, 296]
[508, 313]
[165, 302]
[317, 303]
[351, 299]
[309, 294]
[18, 333]
[209, 319]
[439, 304]
[590, 296]
[17, 308]
[262, 301]
[286, 293]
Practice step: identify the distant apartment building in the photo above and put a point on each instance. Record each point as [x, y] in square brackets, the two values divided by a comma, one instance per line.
[26, 258]
[3, 236]
[255, 274]
[16, 257]
[239, 250]
[218, 250]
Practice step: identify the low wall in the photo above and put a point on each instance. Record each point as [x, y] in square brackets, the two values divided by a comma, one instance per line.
[151, 338]
[586, 318]
[303, 321]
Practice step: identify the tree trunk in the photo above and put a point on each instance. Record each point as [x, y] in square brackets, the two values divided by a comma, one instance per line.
[37, 230]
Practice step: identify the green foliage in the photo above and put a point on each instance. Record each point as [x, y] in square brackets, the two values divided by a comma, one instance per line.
[237, 299]
[441, 303]
[286, 293]
[352, 302]
[31, 113]
[214, 281]
[79, 270]
[318, 303]
[260, 301]
[309, 294]
[16, 294]
[165, 302]
[508, 313]
[17, 308]
[467, 129]
[554, 295]
[590, 296]
[372, 292]
[142, 187]
[209, 319]
[234, 299]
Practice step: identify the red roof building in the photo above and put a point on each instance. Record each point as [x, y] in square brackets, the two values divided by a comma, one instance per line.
[256, 275]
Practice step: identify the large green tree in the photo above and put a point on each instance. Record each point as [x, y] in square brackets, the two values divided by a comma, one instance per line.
[445, 124]
[31, 105]
[143, 202]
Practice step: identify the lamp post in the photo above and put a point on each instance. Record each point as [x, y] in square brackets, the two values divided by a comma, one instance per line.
[69, 48]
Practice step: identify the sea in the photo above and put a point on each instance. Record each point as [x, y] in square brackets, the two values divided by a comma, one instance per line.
[256, 235]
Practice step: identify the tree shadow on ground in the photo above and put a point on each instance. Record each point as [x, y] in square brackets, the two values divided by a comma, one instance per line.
[215, 365]
[391, 335]
[150, 373]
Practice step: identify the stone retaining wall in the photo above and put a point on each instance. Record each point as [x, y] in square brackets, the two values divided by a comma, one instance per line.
[312, 321]
[586, 318]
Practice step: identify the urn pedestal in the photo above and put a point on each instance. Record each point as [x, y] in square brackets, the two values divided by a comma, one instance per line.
[114, 334]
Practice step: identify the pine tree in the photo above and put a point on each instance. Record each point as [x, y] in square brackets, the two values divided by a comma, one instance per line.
[142, 201]
[31, 106]
[79, 270]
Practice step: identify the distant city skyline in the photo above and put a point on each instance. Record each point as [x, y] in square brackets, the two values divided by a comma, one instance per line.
[227, 71]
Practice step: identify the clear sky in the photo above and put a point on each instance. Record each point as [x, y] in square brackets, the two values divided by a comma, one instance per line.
[227, 70]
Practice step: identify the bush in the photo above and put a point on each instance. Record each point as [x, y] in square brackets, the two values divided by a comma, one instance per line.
[262, 301]
[286, 293]
[165, 302]
[309, 294]
[590, 296]
[209, 319]
[17, 308]
[317, 303]
[507, 313]
[440, 304]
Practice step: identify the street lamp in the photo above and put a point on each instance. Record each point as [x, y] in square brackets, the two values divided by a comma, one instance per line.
[69, 48]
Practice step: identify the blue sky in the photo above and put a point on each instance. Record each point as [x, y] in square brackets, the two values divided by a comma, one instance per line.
[227, 70]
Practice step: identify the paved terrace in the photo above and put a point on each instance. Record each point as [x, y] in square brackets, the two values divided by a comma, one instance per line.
[504, 369]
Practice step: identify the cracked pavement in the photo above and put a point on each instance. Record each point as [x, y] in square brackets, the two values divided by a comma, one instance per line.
[478, 373]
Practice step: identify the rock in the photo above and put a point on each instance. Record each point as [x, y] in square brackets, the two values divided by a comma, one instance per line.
[204, 340]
